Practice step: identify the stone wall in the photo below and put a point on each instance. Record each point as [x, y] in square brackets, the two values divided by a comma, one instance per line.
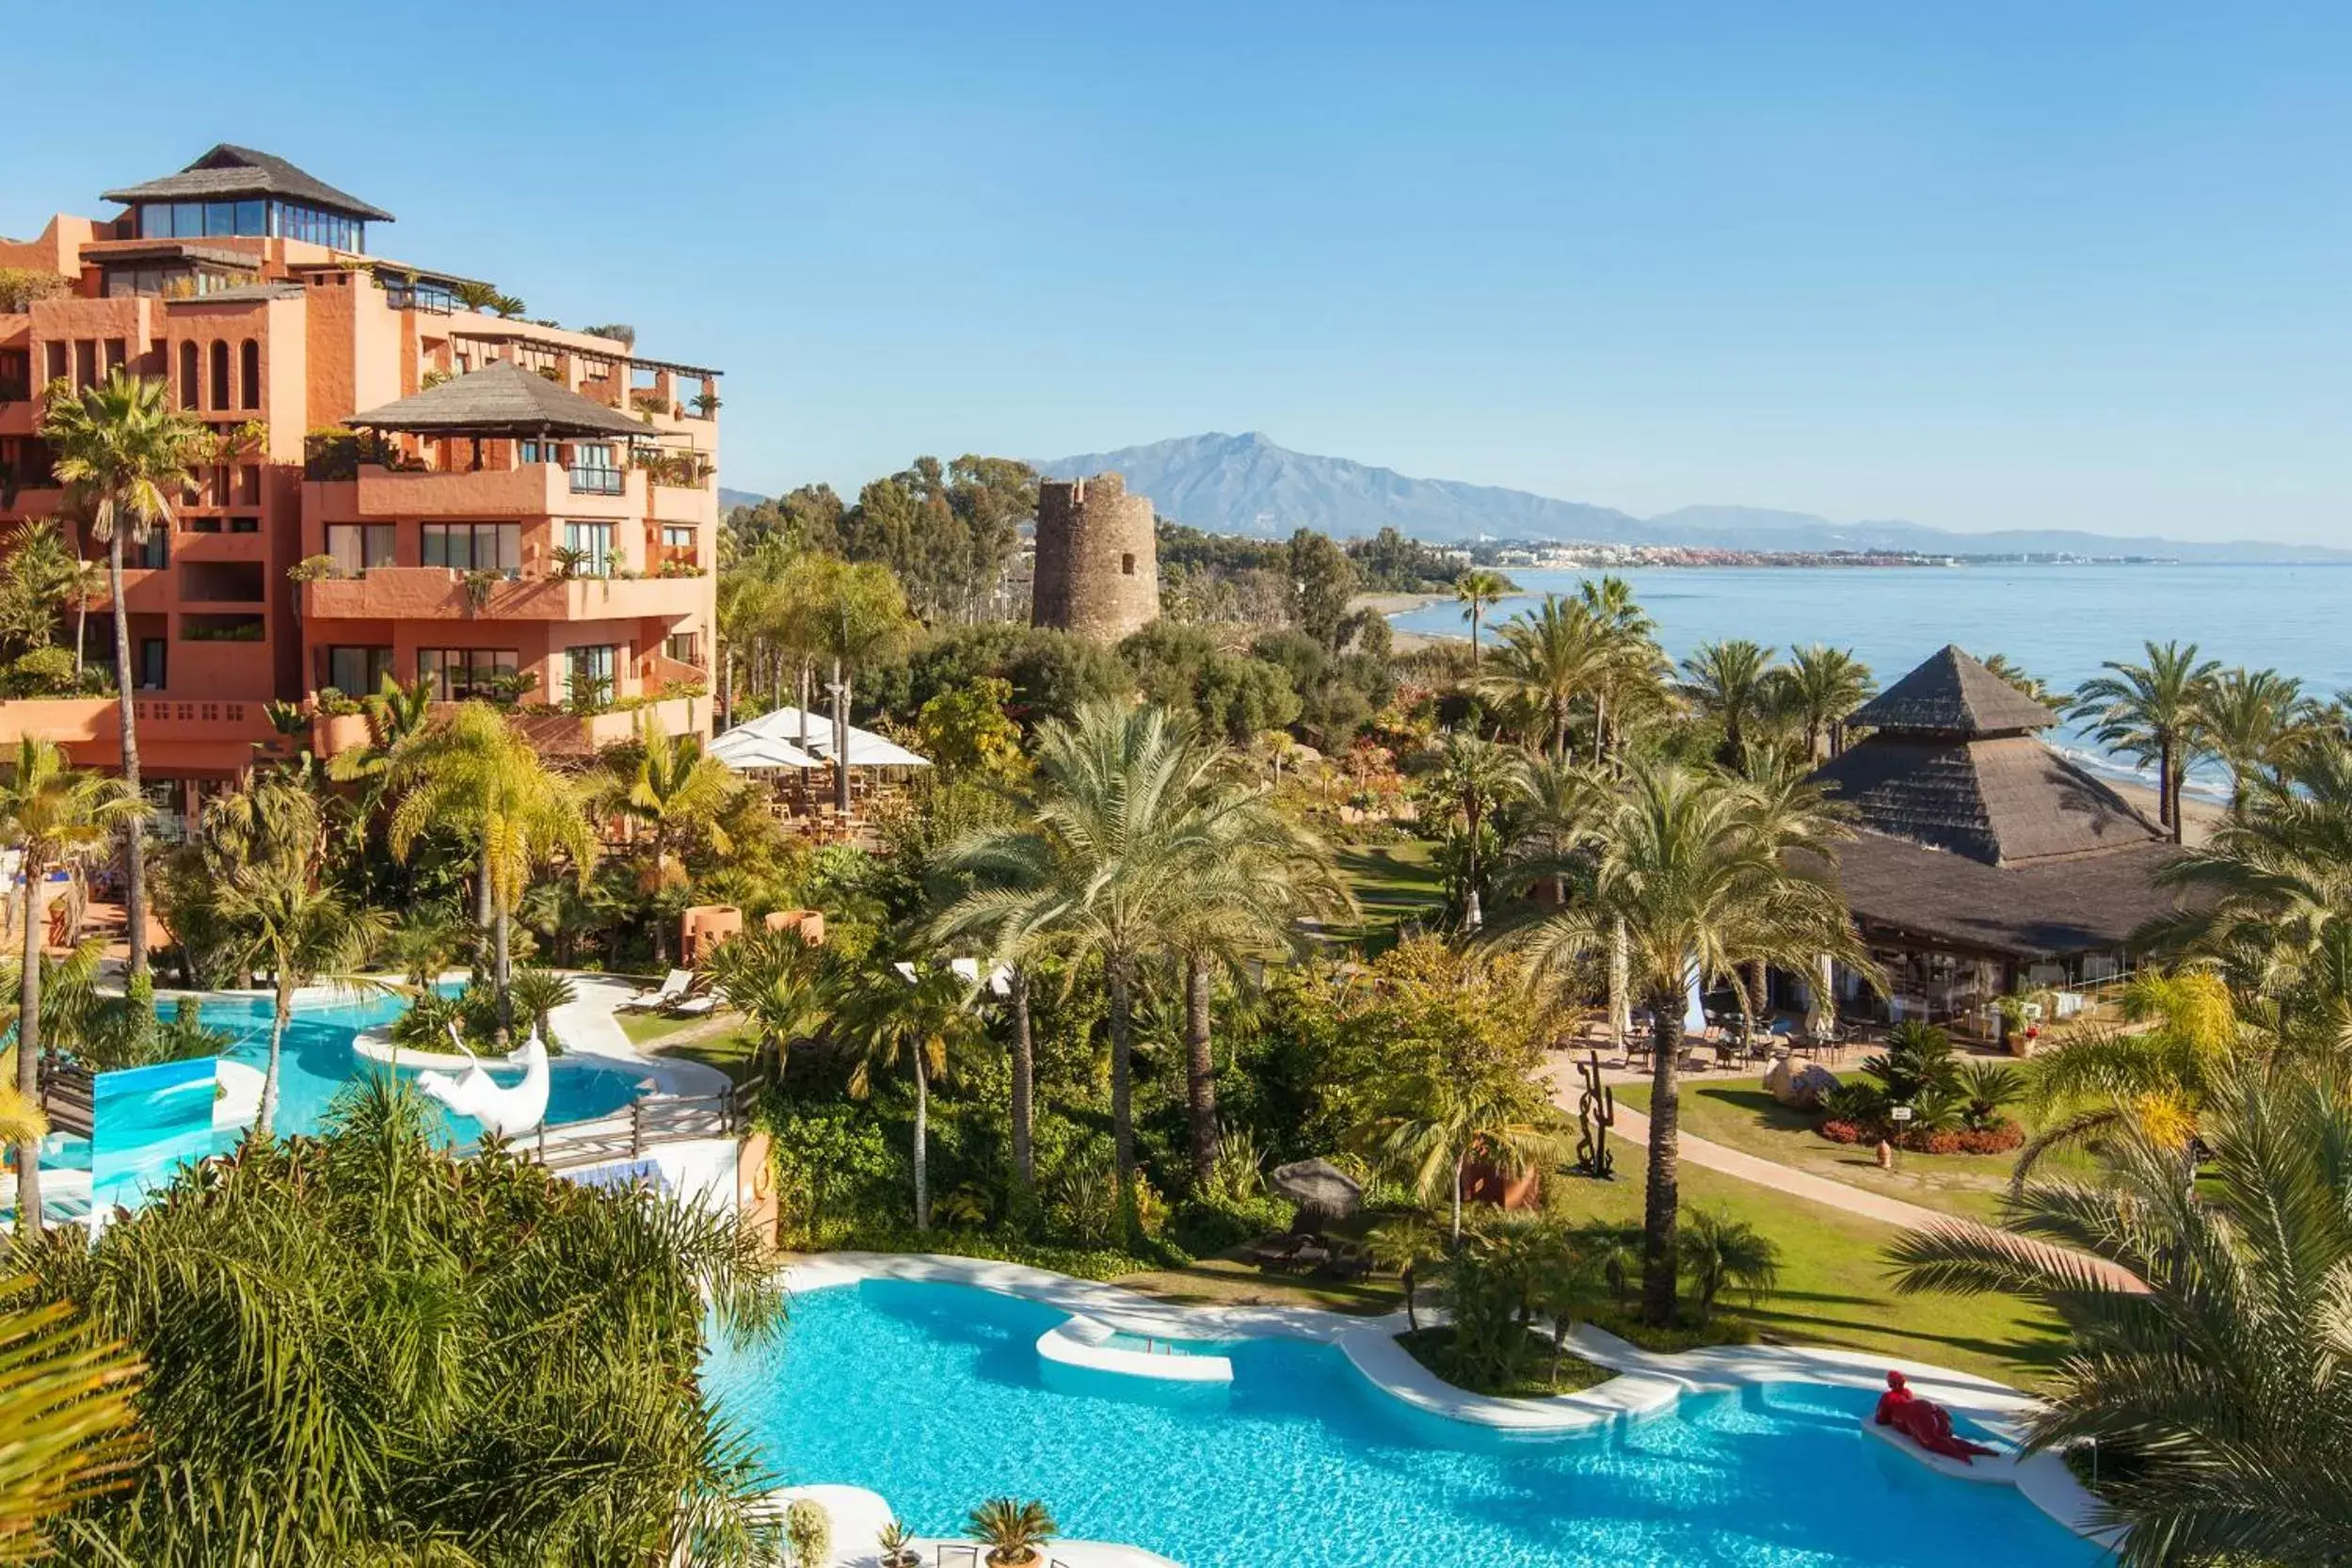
[1098, 570]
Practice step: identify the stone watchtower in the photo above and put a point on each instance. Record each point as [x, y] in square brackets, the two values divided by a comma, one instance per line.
[1098, 570]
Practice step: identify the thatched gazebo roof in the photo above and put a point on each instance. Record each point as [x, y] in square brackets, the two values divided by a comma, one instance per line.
[228, 171]
[1977, 835]
[1952, 694]
[500, 399]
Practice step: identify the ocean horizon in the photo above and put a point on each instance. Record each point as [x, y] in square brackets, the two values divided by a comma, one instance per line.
[2061, 621]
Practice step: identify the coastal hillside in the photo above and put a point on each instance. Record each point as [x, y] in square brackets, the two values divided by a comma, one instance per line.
[1249, 484]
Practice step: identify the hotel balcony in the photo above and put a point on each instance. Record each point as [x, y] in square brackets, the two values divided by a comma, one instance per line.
[528, 490]
[444, 593]
[551, 734]
[218, 736]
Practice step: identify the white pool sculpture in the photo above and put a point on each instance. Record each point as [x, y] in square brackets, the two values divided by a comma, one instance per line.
[1097, 1346]
[508, 1113]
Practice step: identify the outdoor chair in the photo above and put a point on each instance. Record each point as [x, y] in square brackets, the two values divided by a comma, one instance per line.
[672, 989]
[692, 1006]
[951, 1554]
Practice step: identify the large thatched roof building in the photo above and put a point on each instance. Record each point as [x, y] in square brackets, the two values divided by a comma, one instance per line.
[1985, 859]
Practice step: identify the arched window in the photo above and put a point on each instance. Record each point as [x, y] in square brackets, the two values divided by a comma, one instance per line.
[191, 389]
[250, 372]
[220, 373]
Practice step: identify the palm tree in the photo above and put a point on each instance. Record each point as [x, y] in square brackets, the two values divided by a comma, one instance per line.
[1634, 673]
[1408, 1245]
[1547, 661]
[57, 818]
[1474, 590]
[301, 931]
[925, 1024]
[1434, 1119]
[529, 1346]
[2270, 898]
[66, 1404]
[472, 772]
[2004, 668]
[2152, 710]
[2210, 1352]
[1473, 774]
[123, 452]
[2155, 1074]
[1693, 873]
[2253, 721]
[673, 791]
[861, 616]
[1727, 682]
[774, 980]
[1128, 819]
[1827, 683]
[1720, 1253]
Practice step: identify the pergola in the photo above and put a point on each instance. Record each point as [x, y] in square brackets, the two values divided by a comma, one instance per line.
[502, 400]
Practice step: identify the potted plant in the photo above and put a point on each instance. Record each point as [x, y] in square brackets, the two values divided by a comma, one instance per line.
[1012, 1531]
[897, 1552]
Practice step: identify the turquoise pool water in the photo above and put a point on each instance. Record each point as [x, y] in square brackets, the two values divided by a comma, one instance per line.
[153, 1121]
[932, 1396]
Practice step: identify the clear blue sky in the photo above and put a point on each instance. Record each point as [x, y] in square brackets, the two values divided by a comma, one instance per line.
[1981, 265]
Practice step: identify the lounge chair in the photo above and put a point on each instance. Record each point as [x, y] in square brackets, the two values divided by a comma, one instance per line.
[672, 989]
[691, 1006]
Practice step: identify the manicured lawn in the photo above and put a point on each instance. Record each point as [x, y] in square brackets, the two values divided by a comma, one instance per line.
[649, 1029]
[1833, 1288]
[728, 1048]
[1393, 883]
[1738, 1114]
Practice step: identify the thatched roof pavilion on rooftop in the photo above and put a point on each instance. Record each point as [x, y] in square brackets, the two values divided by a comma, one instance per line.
[1985, 860]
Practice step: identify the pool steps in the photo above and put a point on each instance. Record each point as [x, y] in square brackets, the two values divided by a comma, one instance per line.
[1085, 1343]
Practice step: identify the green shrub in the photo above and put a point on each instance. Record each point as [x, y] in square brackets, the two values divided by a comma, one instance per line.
[808, 1530]
[1206, 1225]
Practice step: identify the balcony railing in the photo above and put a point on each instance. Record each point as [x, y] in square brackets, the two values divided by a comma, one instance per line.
[596, 481]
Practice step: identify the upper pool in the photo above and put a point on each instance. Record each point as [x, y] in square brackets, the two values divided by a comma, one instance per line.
[160, 1119]
[932, 1396]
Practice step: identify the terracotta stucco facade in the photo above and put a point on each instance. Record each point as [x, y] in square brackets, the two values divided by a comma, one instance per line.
[278, 337]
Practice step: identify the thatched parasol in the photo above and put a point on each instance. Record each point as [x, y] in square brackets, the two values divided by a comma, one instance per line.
[1319, 1187]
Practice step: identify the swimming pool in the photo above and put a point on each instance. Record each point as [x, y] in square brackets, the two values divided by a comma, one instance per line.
[152, 1122]
[932, 1396]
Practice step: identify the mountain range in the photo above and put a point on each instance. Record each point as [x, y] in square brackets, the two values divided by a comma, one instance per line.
[1248, 485]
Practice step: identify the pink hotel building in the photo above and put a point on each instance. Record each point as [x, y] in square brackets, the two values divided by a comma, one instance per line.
[492, 505]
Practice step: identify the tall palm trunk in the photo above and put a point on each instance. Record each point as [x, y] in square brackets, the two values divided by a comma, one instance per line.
[1200, 1068]
[840, 740]
[1600, 728]
[1662, 1199]
[1619, 983]
[1461, 1164]
[1472, 916]
[28, 1053]
[135, 827]
[266, 1123]
[922, 1144]
[482, 913]
[1024, 1087]
[1119, 979]
[81, 636]
[2165, 815]
[1474, 634]
[806, 676]
[500, 971]
[727, 678]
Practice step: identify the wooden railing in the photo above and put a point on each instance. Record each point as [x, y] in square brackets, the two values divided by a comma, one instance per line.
[65, 1098]
[644, 1125]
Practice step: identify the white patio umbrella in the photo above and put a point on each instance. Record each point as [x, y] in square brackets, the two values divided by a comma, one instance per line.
[743, 752]
[868, 750]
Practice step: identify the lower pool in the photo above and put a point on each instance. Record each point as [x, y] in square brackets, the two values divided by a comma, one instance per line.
[152, 1122]
[930, 1394]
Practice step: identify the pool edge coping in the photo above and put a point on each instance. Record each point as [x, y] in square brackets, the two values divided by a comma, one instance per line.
[1648, 1383]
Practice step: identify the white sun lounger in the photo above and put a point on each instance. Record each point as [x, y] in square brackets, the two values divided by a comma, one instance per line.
[671, 991]
[691, 1007]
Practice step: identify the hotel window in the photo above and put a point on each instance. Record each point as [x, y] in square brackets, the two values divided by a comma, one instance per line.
[592, 470]
[541, 451]
[679, 541]
[85, 362]
[684, 646]
[593, 541]
[251, 376]
[149, 677]
[354, 547]
[474, 546]
[118, 355]
[455, 674]
[55, 353]
[220, 373]
[245, 525]
[191, 379]
[357, 671]
[153, 553]
[589, 675]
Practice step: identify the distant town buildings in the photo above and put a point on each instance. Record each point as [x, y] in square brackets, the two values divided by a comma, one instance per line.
[1098, 564]
[399, 485]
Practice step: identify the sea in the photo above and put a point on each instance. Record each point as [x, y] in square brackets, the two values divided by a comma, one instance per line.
[2058, 621]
